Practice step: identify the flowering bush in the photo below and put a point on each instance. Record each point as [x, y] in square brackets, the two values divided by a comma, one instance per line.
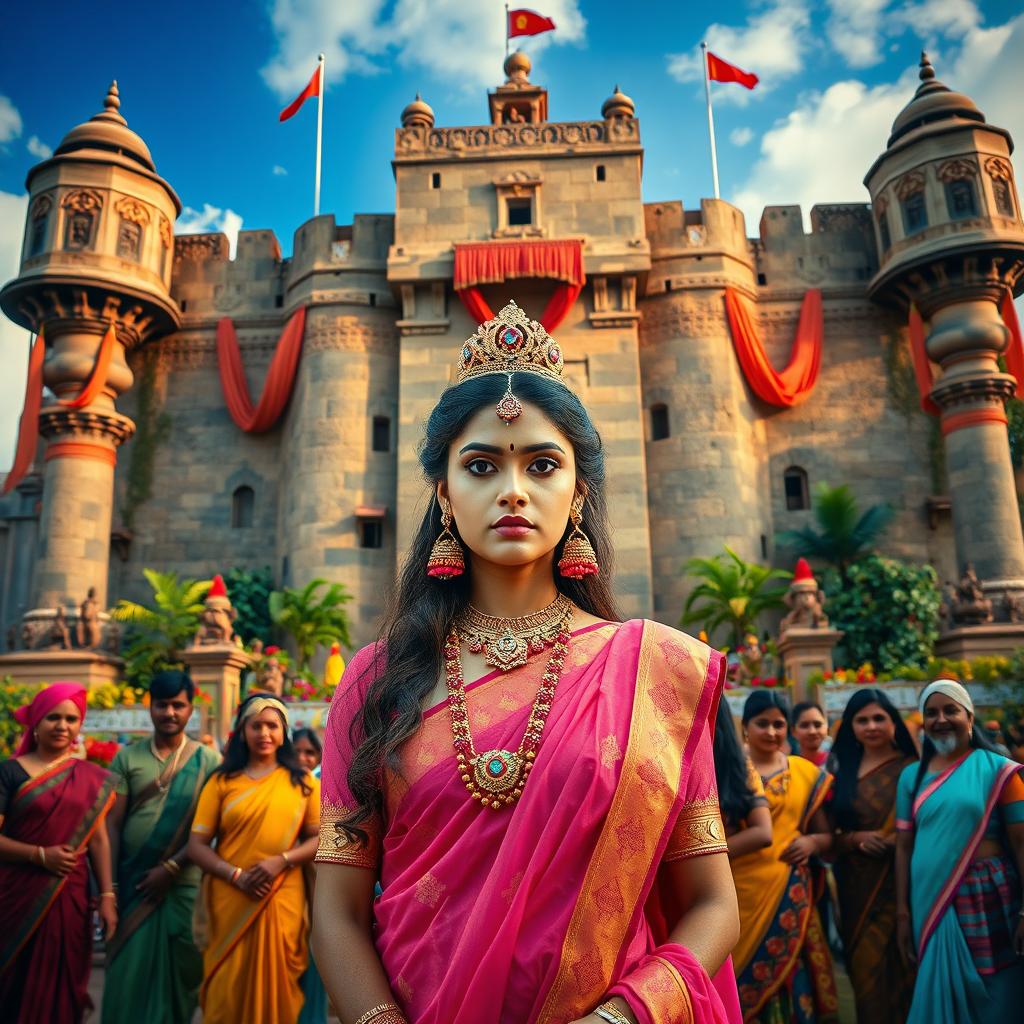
[101, 752]
[111, 695]
[306, 687]
[12, 696]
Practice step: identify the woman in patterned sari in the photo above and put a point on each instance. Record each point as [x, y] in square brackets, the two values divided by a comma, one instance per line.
[52, 807]
[959, 861]
[872, 748]
[530, 780]
[262, 809]
[783, 964]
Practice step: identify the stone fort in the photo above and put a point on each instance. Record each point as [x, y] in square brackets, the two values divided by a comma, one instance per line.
[153, 471]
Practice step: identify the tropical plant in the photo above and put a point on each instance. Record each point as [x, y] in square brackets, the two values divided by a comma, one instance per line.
[733, 593]
[250, 590]
[844, 533]
[157, 632]
[888, 610]
[312, 621]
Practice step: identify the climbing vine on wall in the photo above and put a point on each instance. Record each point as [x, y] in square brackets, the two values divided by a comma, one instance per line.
[152, 428]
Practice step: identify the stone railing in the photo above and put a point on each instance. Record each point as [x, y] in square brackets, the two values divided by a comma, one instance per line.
[418, 140]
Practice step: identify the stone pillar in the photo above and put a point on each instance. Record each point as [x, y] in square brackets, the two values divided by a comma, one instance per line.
[966, 339]
[217, 670]
[806, 651]
[78, 496]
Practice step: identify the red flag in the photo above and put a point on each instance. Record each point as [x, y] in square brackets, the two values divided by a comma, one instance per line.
[523, 22]
[313, 89]
[722, 71]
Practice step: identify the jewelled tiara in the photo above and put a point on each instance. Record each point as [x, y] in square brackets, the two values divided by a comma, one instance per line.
[509, 343]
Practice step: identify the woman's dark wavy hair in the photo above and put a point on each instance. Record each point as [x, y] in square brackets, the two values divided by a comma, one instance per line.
[421, 611]
[762, 700]
[735, 797]
[845, 758]
[236, 753]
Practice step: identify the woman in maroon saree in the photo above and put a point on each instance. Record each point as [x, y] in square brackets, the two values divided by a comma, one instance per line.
[51, 807]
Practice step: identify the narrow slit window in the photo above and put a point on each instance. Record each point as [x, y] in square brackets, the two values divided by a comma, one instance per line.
[381, 433]
[435, 179]
[797, 493]
[520, 212]
[659, 422]
[601, 173]
[243, 504]
[371, 533]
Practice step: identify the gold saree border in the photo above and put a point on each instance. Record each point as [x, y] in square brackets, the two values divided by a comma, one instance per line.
[623, 857]
[698, 831]
[336, 848]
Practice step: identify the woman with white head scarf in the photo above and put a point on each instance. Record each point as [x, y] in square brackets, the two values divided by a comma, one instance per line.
[959, 860]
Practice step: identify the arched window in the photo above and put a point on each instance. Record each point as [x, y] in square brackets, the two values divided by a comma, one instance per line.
[659, 422]
[1003, 197]
[915, 213]
[960, 199]
[794, 482]
[243, 502]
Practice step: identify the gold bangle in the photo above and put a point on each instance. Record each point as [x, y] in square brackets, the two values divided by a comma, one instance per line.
[112, 894]
[284, 857]
[391, 1013]
[42, 856]
[171, 867]
[611, 1013]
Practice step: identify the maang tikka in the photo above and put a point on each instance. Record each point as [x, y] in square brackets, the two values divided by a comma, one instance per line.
[446, 559]
[578, 556]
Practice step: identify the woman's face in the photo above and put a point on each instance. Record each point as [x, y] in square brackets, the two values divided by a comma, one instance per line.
[873, 729]
[947, 724]
[766, 732]
[58, 730]
[264, 733]
[511, 487]
[810, 729]
[306, 753]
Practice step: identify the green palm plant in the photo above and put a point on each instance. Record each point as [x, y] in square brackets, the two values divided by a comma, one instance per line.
[312, 621]
[732, 593]
[843, 532]
[158, 631]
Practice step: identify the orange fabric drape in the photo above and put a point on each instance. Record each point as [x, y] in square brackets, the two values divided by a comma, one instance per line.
[28, 426]
[277, 388]
[494, 262]
[795, 383]
[922, 365]
[554, 312]
[1014, 354]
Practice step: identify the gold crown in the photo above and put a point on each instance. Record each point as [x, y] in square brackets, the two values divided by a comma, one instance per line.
[509, 343]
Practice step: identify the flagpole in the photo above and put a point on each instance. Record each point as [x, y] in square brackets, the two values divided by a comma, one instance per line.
[506, 31]
[711, 117]
[319, 137]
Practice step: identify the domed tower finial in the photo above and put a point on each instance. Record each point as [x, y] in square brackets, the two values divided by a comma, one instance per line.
[927, 71]
[618, 105]
[113, 100]
[418, 113]
[518, 67]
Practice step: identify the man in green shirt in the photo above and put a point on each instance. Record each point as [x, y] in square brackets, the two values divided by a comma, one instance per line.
[154, 970]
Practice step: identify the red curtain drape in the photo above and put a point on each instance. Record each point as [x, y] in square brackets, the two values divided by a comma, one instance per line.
[922, 365]
[28, 426]
[795, 383]
[277, 388]
[494, 262]
[554, 312]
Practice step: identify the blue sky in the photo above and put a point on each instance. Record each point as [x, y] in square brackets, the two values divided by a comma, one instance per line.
[203, 84]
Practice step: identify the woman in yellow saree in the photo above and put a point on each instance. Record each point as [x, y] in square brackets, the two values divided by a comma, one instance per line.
[782, 961]
[263, 811]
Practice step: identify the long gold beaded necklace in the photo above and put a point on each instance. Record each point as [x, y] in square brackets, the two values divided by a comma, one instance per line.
[496, 777]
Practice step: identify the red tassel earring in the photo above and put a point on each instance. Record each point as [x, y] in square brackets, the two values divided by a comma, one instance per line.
[578, 556]
[446, 559]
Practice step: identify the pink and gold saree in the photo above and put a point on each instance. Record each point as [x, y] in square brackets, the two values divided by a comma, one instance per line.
[535, 913]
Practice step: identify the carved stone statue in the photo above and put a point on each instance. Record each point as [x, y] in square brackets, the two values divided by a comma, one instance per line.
[751, 657]
[87, 628]
[967, 604]
[1013, 607]
[59, 635]
[270, 677]
[216, 622]
[805, 601]
[28, 636]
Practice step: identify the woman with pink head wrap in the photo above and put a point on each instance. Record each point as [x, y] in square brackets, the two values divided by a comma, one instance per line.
[52, 807]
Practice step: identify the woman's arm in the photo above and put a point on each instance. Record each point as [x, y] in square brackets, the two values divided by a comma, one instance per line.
[343, 919]
[710, 924]
[905, 937]
[260, 876]
[817, 841]
[756, 836]
[99, 857]
[200, 852]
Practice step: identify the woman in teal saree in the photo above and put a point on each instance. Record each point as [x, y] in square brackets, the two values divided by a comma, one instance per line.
[959, 860]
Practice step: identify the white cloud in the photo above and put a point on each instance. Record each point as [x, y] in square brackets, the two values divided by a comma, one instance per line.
[279, 171]
[14, 340]
[741, 136]
[38, 148]
[855, 30]
[932, 18]
[211, 218]
[821, 150]
[10, 120]
[452, 39]
[771, 44]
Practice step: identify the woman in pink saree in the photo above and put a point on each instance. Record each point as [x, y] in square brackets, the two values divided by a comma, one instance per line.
[530, 780]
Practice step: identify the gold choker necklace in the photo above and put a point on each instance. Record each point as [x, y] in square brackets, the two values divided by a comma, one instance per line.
[507, 643]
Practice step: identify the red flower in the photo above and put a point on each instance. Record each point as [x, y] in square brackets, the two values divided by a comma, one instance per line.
[797, 892]
[788, 920]
[775, 946]
[762, 971]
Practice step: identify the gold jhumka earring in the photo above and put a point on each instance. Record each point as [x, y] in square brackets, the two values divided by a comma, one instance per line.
[446, 559]
[579, 558]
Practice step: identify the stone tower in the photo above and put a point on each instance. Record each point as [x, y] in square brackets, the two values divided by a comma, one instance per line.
[98, 250]
[951, 240]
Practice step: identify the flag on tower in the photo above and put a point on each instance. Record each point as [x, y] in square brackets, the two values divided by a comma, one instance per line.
[313, 89]
[524, 22]
[722, 71]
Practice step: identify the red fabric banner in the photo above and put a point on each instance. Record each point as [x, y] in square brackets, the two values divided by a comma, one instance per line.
[554, 312]
[922, 365]
[313, 89]
[28, 426]
[1014, 354]
[277, 388]
[524, 22]
[795, 383]
[722, 71]
[494, 262]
